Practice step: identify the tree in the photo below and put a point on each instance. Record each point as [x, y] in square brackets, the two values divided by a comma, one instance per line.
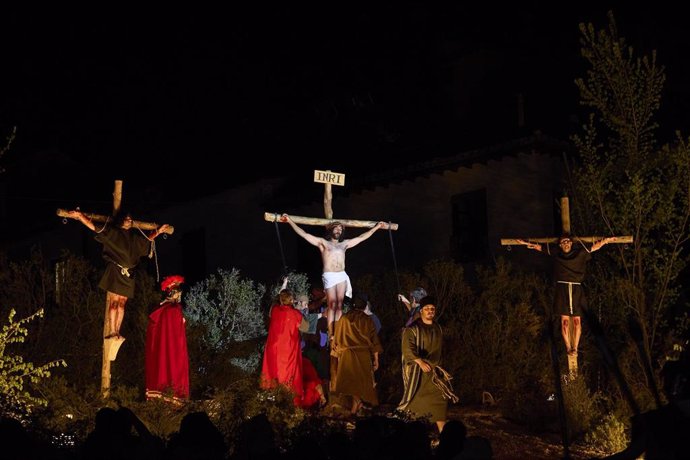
[630, 185]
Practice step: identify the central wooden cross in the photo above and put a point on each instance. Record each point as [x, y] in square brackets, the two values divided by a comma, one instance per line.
[565, 226]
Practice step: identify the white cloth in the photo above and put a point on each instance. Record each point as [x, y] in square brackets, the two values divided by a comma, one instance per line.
[330, 279]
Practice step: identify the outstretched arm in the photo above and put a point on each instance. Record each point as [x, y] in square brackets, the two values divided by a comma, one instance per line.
[78, 215]
[355, 241]
[309, 237]
[534, 246]
[404, 300]
[598, 245]
[158, 231]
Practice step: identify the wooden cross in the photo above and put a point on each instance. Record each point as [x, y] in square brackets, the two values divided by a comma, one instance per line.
[328, 178]
[565, 224]
[112, 345]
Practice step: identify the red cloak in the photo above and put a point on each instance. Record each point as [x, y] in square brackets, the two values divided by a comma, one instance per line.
[283, 357]
[167, 361]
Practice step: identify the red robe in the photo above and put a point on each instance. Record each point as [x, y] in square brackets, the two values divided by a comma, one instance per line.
[167, 362]
[311, 381]
[283, 357]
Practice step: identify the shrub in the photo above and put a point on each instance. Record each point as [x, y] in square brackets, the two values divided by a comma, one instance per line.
[608, 435]
[17, 376]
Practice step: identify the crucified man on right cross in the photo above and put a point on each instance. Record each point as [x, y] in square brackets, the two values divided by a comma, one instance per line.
[569, 266]
[570, 263]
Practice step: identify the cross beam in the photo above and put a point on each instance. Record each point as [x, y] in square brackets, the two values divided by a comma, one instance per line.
[275, 217]
[103, 219]
[584, 239]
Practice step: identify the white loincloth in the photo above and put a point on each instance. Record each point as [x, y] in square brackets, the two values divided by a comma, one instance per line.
[330, 279]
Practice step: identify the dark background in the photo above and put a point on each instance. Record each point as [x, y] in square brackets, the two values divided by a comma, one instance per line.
[183, 102]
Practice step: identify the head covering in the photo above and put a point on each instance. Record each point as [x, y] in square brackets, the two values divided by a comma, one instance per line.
[564, 236]
[359, 302]
[170, 282]
[418, 293]
[428, 300]
[302, 298]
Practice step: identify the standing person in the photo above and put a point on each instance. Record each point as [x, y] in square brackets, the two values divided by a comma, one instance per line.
[316, 345]
[427, 386]
[332, 248]
[569, 267]
[122, 249]
[356, 346]
[370, 312]
[167, 361]
[282, 364]
[412, 305]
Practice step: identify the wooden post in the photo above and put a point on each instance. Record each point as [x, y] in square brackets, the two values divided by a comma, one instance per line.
[327, 201]
[328, 178]
[565, 215]
[117, 197]
[565, 228]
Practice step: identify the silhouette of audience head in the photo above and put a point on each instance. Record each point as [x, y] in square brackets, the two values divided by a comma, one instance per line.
[256, 439]
[198, 438]
[451, 439]
[106, 419]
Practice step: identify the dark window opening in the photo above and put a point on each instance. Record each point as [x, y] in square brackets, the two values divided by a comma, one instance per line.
[470, 237]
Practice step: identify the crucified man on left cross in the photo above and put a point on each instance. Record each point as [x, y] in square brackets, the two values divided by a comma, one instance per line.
[122, 249]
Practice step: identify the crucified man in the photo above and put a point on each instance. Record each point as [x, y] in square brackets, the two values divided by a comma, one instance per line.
[335, 280]
[122, 249]
[569, 266]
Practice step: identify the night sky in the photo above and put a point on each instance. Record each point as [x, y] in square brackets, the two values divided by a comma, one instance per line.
[159, 98]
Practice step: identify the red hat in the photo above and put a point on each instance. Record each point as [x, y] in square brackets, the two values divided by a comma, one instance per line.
[170, 282]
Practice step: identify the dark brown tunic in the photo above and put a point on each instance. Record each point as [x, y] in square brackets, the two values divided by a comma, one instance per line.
[121, 248]
[568, 272]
